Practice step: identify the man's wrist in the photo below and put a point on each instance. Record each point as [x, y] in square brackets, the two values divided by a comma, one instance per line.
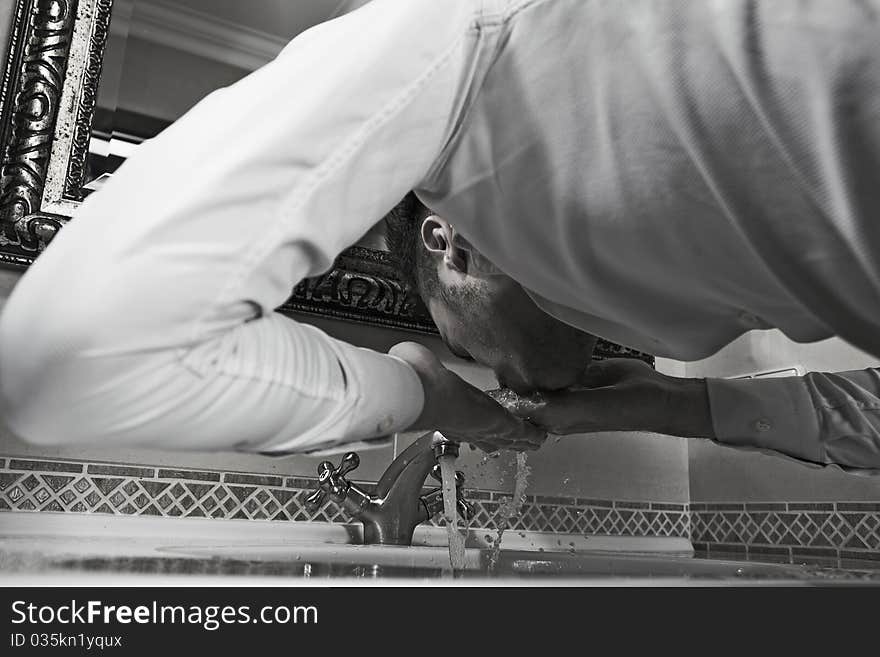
[688, 411]
[443, 391]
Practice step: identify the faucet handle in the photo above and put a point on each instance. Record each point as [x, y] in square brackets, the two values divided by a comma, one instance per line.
[350, 462]
[332, 482]
[315, 501]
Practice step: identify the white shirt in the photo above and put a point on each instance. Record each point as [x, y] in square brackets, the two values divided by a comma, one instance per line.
[663, 174]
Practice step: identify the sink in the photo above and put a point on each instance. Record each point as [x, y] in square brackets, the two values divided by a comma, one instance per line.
[316, 554]
[352, 561]
[322, 560]
[54, 545]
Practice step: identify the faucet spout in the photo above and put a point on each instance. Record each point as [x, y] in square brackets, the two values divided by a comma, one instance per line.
[413, 463]
[391, 515]
[399, 508]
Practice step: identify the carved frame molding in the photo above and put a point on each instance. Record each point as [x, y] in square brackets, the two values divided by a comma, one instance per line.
[32, 90]
[47, 104]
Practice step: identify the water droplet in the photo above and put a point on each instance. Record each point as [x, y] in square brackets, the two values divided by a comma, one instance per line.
[540, 549]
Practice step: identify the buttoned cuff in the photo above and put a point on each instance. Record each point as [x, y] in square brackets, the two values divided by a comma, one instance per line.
[772, 414]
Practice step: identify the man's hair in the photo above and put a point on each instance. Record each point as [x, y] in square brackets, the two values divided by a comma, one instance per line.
[403, 226]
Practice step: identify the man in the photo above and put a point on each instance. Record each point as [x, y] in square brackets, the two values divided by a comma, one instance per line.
[666, 174]
[485, 316]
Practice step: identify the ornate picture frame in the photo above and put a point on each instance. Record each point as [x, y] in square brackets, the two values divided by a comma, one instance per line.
[47, 107]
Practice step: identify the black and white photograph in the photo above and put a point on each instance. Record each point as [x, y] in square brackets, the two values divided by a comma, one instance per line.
[304, 295]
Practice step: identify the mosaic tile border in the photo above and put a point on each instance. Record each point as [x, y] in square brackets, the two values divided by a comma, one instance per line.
[830, 534]
[75, 487]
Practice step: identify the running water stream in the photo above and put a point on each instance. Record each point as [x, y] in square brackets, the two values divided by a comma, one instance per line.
[521, 406]
[511, 507]
[457, 557]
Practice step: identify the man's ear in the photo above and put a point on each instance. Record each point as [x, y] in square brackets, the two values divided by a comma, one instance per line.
[438, 236]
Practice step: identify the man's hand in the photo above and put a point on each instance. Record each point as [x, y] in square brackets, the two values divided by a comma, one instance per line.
[623, 395]
[462, 412]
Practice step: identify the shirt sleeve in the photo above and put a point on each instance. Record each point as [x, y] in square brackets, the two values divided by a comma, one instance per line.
[155, 341]
[821, 419]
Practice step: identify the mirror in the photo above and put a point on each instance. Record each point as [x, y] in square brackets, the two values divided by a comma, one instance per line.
[87, 81]
[163, 56]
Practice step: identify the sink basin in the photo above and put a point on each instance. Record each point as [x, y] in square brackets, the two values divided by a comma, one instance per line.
[52, 546]
[392, 556]
[322, 560]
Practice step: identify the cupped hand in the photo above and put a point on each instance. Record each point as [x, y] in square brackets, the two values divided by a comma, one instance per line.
[462, 412]
[622, 395]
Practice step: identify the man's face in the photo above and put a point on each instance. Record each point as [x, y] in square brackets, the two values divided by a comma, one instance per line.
[496, 324]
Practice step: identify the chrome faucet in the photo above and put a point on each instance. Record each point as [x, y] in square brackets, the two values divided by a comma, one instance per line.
[391, 515]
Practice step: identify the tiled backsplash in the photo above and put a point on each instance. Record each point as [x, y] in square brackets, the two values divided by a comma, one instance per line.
[74, 487]
[837, 534]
